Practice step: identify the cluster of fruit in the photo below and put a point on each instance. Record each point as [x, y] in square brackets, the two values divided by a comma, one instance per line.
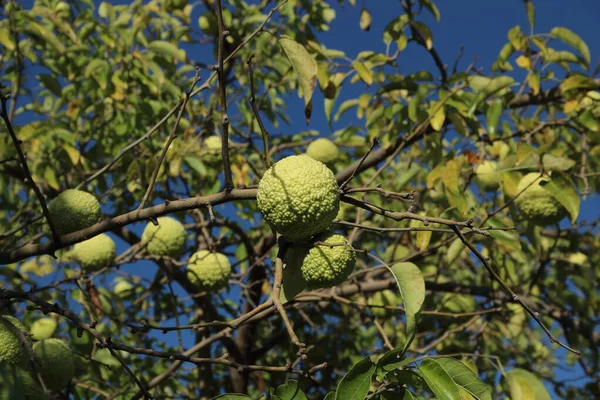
[299, 198]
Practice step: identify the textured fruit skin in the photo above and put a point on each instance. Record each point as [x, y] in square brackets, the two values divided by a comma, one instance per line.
[298, 197]
[210, 271]
[73, 210]
[43, 328]
[323, 266]
[323, 150]
[536, 203]
[95, 253]
[55, 363]
[165, 239]
[486, 176]
[12, 351]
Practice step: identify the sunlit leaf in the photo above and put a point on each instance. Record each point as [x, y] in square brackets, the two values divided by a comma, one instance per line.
[465, 378]
[563, 189]
[365, 19]
[523, 385]
[572, 39]
[412, 289]
[438, 380]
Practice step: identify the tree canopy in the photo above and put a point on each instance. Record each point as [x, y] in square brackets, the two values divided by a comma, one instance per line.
[470, 282]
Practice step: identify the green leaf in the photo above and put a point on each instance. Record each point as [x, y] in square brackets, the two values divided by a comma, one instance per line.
[195, 163]
[51, 83]
[293, 283]
[493, 116]
[290, 391]
[523, 385]
[572, 39]
[95, 65]
[577, 82]
[365, 20]
[530, 13]
[494, 86]
[231, 396]
[412, 289]
[304, 65]
[553, 163]
[330, 396]
[364, 72]
[437, 112]
[356, 383]
[438, 380]
[166, 48]
[391, 361]
[563, 190]
[425, 33]
[465, 378]
[428, 4]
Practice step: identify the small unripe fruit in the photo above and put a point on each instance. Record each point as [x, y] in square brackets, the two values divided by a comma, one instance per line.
[43, 328]
[95, 253]
[486, 176]
[210, 271]
[54, 363]
[298, 197]
[536, 203]
[165, 239]
[322, 266]
[323, 150]
[73, 210]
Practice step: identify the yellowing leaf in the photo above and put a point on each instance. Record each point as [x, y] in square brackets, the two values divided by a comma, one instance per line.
[364, 72]
[305, 67]
[439, 115]
[365, 20]
[524, 62]
[523, 385]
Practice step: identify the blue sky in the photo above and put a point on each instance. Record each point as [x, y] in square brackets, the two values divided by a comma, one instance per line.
[480, 25]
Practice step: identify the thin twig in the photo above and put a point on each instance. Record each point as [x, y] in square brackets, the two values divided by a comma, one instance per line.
[509, 291]
[263, 130]
[223, 33]
[172, 137]
[362, 160]
[28, 178]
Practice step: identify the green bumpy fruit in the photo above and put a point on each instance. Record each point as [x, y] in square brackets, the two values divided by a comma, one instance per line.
[73, 210]
[210, 271]
[43, 328]
[55, 363]
[165, 239]
[323, 150]
[298, 197]
[95, 253]
[323, 266]
[12, 351]
[537, 204]
[486, 176]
